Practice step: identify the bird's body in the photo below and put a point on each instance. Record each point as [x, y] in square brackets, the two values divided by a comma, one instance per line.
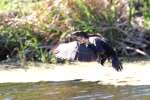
[72, 51]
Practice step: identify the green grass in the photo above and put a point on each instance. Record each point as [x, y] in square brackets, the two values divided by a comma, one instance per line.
[5, 5]
[17, 5]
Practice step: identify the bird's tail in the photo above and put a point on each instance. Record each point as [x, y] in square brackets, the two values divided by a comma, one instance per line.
[116, 64]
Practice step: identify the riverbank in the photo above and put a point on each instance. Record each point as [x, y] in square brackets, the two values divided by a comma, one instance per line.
[134, 73]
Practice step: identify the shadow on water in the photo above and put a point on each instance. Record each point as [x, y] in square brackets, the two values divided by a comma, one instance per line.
[72, 90]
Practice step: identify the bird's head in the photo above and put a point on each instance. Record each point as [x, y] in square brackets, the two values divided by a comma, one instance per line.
[80, 36]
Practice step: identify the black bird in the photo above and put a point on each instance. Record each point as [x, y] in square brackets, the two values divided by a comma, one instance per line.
[100, 46]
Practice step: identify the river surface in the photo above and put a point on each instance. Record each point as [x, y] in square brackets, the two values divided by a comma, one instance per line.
[72, 90]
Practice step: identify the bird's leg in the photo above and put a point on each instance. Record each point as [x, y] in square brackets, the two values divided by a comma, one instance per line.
[101, 58]
[98, 58]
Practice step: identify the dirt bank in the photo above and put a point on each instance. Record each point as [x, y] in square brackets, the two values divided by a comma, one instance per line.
[135, 73]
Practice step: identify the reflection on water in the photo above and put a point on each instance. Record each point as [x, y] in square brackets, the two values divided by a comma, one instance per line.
[72, 90]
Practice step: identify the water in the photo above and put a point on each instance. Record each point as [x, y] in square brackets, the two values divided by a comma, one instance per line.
[72, 90]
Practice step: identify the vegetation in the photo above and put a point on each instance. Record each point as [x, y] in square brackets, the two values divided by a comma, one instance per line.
[26, 27]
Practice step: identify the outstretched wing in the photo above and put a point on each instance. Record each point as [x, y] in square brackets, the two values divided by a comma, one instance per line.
[104, 51]
[66, 50]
